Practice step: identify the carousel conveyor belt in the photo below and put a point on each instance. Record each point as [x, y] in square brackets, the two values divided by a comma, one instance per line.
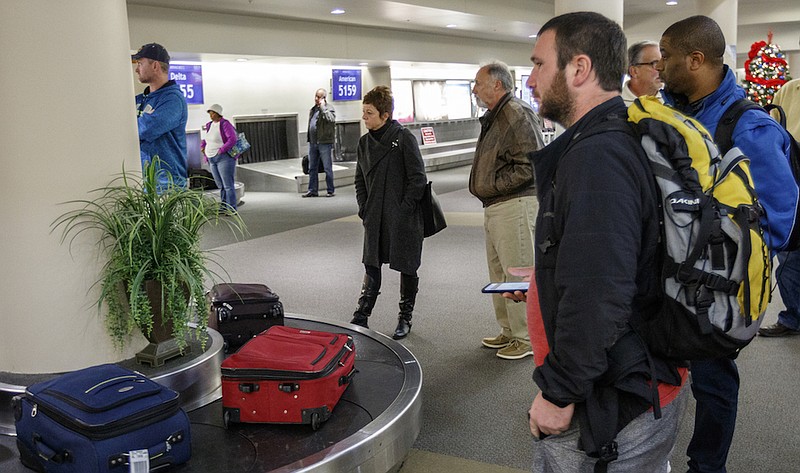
[371, 430]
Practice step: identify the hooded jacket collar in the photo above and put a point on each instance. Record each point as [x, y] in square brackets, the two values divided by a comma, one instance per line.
[709, 109]
[376, 150]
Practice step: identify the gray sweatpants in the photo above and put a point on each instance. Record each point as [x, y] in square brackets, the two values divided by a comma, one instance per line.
[645, 445]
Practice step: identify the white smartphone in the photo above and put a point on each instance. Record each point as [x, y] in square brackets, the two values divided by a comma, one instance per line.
[497, 287]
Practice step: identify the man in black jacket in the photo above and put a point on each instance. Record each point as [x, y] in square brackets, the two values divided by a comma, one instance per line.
[596, 248]
[321, 135]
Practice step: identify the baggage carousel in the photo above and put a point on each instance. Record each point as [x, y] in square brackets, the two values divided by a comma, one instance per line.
[371, 430]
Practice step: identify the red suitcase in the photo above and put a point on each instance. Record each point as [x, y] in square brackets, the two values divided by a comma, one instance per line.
[287, 375]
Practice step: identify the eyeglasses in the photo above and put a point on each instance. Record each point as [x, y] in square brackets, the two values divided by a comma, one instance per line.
[652, 64]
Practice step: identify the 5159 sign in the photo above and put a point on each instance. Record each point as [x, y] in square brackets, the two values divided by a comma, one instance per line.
[346, 84]
[189, 78]
[347, 90]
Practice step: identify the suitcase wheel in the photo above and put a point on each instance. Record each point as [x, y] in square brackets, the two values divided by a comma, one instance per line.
[28, 458]
[315, 416]
[230, 415]
[16, 404]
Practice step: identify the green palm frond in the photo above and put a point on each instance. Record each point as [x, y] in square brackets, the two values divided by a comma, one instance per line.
[148, 232]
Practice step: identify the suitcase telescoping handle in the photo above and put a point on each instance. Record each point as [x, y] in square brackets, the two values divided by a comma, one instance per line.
[155, 453]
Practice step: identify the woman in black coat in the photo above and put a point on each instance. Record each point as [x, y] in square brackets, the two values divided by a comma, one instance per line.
[390, 180]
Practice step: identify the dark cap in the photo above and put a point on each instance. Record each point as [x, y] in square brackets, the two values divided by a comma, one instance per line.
[153, 51]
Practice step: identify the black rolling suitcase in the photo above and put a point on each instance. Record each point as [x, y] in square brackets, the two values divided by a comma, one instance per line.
[239, 311]
[101, 419]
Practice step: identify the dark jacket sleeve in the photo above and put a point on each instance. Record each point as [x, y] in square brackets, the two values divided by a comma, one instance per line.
[360, 180]
[415, 171]
[598, 202]
[514, 171]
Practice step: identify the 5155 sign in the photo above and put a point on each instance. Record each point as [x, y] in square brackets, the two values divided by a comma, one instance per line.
[189, 78]
[346, 84]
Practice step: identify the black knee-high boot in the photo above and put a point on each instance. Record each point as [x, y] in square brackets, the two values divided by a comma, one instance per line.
[366, 301]
[408, 296]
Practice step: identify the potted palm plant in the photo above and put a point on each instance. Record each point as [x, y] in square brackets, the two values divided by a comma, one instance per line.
[155, 273]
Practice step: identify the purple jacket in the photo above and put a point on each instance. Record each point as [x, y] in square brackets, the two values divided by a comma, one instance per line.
[228, 133]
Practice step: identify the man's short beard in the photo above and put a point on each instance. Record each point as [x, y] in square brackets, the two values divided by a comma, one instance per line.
[558, 105]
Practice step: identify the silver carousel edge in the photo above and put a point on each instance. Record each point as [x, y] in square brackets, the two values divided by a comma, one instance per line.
[378, 447]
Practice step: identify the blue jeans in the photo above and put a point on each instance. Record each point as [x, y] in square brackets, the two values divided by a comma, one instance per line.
[788, 275]
[715, 385]
[223, 168]
[317, 152]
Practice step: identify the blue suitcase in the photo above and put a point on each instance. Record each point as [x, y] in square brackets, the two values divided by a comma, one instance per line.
[101, 419]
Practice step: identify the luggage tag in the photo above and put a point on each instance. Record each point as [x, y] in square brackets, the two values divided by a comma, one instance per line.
[139, 461]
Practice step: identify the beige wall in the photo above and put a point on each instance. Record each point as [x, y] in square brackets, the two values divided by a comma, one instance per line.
[199, 32]
[69, 124]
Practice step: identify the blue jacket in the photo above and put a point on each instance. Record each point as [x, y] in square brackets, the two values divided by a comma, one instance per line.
[766, 143]
[162, 116]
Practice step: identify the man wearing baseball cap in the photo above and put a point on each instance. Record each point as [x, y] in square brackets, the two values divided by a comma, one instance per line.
[161, 115]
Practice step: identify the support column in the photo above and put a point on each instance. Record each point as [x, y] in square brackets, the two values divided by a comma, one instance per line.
[69, 126]
[612, 9]
[373, 77]
[726, 14]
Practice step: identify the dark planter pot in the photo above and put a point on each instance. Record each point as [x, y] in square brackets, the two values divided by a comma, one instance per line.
[162, 345]
[162, 330]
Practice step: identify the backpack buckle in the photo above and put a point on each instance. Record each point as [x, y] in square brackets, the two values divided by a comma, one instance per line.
[715, 282]
[609, 452]
[686, 275]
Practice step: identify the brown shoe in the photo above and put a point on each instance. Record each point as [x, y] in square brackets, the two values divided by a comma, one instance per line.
[500, 341]
[515, 350]
[777, 330]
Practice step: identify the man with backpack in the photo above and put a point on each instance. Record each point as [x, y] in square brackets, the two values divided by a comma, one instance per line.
[698, 83]
[596, 254]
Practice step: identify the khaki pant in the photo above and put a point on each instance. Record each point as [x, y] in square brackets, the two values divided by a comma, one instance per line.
[509, 242]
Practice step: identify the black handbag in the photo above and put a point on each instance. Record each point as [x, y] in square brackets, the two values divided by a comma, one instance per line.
[304, 164]
[432, 214]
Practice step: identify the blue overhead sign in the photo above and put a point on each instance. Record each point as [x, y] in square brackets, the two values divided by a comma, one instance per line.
[189, 78]
[346, 84]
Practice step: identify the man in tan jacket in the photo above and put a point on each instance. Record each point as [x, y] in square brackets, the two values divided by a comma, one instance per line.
[788, 97]
[502, 178]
